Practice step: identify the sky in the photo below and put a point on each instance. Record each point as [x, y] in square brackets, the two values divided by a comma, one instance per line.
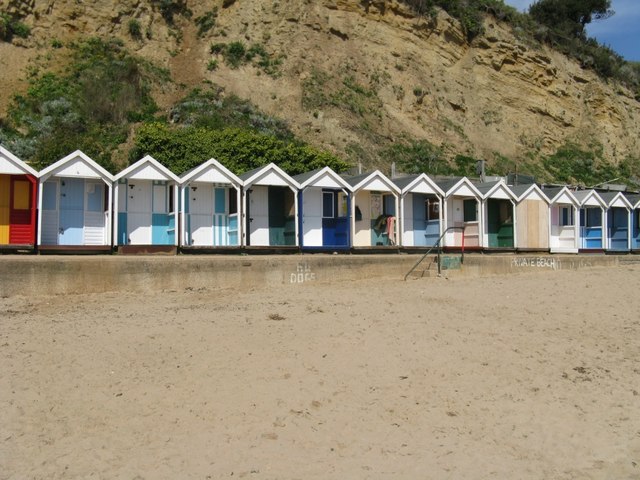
[620, 32]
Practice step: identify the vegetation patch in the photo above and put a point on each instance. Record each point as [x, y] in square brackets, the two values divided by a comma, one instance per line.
[236, 54]
[12, 27]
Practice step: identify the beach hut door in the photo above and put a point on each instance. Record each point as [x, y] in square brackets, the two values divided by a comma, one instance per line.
[72, 193]
[312, 217]
[258, 216]
[4, 209]
[95, 215]
[201, 214]
[20, 216]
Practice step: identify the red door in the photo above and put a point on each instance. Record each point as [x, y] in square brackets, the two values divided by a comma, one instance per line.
[22, 211]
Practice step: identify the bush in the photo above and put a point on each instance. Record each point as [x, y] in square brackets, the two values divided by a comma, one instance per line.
[206, 22]
[135, 30]
[10, 27]
[234, 54]
[239, 150]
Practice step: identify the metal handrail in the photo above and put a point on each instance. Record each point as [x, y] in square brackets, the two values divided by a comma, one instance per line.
[437, 244]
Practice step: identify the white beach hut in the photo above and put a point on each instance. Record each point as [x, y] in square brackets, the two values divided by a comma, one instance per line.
[420, 210]
[269, 207]
[374, 210]
[461, 210]
[210, 198]
[564, 229]
[146, 202]
[74, 205]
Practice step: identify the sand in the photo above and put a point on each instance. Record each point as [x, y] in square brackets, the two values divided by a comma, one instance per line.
[524, 376]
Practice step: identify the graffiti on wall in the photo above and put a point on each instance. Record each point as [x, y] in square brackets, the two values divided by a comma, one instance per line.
[536, 262]
[302, 274]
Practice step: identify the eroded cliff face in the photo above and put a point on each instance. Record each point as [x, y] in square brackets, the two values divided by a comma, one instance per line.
[403, 76]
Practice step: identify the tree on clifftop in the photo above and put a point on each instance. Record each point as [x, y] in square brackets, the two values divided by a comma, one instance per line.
[570, 16]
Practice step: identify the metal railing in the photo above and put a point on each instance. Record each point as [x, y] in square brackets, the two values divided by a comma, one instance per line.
[438, 245]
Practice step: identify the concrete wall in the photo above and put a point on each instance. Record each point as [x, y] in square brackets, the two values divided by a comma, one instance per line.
[54, 275]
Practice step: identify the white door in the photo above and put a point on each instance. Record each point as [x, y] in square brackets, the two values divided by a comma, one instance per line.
[94, 213]
[408, 230]
[259, 216]
[201, 214]
[312, 217]
[139, 212]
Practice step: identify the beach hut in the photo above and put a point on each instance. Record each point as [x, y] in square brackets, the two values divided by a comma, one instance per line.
[420, 210]
[269, 208]
[323, 210]
[564, 230]
[210, 197]
[532, 218]
[634, 200]
[618, 221]
[592, 220]
[461, 210]
[18, 200]
[374, 210]
[74, 205]
[146, 202]
[498, 215]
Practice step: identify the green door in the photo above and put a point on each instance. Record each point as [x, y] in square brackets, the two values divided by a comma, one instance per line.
[500, 223]
[281, 219]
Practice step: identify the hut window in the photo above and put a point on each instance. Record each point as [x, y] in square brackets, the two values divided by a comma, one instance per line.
[233, 201]
[432, 209]
[566, 216]
[327, 205]
[171, 203]
[389, 205]
[470, 208]
[343, 204]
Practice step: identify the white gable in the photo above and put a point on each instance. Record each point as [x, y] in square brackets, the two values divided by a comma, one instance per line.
[619, 201]
[423, 187]
[148, 171]
[376, 184]
[564, 198]
[271, 177]
[463, 190]
[501, 192]
[326, 180]
[10, 167]
[77, 168]
[591, 201]
[534, 194]
[211, 175]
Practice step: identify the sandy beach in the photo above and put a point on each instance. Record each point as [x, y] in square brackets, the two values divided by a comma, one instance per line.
[525, 376]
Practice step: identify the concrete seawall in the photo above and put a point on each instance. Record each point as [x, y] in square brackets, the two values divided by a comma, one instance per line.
[54, 275]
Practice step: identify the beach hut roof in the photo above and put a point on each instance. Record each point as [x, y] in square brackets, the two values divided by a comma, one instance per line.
[459, 186]
[147, 168]
[321, 177]
[269, 174]
[616, 199]
[634, 199]
[418, 183]
[211, 171]
[12, 165]
[589, 198]
[76, 164]
[497, 189]
[522, 192]
[561, 195]
[375, 180]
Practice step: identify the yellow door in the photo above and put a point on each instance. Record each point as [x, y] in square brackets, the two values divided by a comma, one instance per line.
[5, 182]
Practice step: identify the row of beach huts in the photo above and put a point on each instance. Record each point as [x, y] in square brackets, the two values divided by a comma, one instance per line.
[75, 205]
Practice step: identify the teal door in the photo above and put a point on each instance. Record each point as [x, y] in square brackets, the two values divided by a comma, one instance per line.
[500, 223]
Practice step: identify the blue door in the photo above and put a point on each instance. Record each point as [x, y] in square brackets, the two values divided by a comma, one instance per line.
[635, 232]
[618, 228]
[591, 227]
[419, 220]
[71, 211]
[335, 225]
